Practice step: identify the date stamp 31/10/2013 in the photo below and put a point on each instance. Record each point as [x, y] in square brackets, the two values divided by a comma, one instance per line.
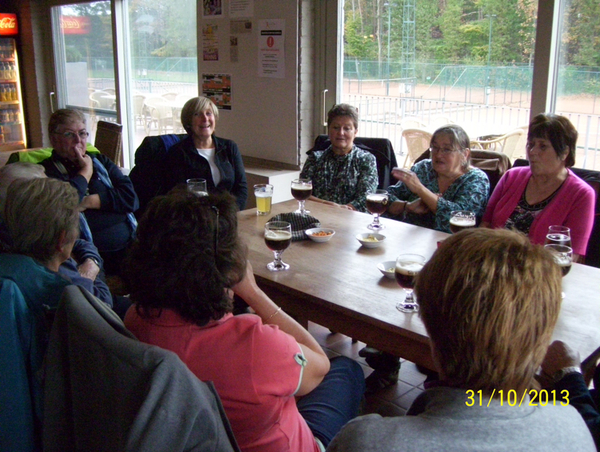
[541, 397]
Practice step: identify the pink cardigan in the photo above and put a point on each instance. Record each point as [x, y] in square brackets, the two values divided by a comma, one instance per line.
[573, 206]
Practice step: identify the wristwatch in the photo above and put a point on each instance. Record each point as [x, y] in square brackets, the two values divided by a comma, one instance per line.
[562, 373]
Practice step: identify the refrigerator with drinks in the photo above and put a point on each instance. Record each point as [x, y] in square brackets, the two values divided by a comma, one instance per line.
[12, 126]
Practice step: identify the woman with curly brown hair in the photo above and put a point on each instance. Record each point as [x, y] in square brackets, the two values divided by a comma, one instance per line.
[183, 267]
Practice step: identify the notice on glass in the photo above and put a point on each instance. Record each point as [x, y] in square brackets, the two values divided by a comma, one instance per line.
[240, 26]
[271, 40]
[217, 87]
[210, 43]
[241, 8]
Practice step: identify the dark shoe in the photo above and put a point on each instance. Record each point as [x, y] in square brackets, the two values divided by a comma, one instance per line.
[379, 380]
[379, 360]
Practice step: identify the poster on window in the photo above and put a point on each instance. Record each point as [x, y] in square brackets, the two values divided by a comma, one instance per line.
[217, 87]
[210, 43]
[271, 40]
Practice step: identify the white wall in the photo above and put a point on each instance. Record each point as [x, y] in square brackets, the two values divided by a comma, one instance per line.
[264, 119]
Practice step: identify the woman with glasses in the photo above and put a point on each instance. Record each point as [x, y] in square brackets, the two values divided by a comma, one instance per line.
[106, 195]
[545, 193]
[434, 187]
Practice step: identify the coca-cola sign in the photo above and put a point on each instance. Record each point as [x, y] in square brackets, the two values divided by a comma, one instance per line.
[75, 25]
[8, 24]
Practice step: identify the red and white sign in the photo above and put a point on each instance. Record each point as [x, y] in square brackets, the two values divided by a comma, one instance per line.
[75, 25]
[8, 24]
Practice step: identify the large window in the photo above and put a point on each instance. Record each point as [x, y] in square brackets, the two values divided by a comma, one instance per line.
[409, 63]
[144, 83]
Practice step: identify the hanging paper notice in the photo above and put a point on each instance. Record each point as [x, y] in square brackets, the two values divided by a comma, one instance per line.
[210, 43]
[217, 87]
[241, 8]
[271, 41]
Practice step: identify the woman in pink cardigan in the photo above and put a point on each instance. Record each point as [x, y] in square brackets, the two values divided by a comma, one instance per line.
[530, 199]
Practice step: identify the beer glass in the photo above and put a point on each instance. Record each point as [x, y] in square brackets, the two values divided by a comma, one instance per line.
[461, 219]
[278, 237]
[197, 186]
[559, 235]
[377, 202]
[563, 256]
[264, 196]
[407, 267]
[301, 191]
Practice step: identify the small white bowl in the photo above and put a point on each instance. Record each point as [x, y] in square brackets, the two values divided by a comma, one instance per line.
[370, 239]
[320, 238]
[388, 268]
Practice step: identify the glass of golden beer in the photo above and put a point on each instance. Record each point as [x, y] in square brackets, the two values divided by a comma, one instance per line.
[264, 197]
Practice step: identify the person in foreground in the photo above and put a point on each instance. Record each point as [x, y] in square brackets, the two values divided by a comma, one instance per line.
[204, 155]
[489, 300]
[183, 269]
[545, 193]
[434, 187]
[106, 194]
[342, 174]
[561, 372]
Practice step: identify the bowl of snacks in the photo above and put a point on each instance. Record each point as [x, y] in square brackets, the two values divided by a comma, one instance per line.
[388, 268]
[370, 239]
[320, 234]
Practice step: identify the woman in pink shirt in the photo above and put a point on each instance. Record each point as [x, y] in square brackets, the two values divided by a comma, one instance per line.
[183, 269]
[530, 199]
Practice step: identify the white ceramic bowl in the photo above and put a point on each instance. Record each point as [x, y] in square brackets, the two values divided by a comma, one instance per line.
[320, 238]
[388, 268]
[370, 239]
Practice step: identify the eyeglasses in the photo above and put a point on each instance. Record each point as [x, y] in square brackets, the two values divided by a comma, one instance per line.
[444, 151]
[83, 134]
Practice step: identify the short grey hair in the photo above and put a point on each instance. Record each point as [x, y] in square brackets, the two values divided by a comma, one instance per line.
[458, 139]
[62, 117]
[37, 212]
[18, 170]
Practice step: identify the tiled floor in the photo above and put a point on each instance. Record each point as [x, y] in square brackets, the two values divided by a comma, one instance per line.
[391, 401]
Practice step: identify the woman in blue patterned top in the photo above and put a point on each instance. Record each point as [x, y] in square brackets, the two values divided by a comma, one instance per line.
[434, 187]
[343, 174]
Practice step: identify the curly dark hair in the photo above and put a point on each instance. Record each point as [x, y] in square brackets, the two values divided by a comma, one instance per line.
[177, 262]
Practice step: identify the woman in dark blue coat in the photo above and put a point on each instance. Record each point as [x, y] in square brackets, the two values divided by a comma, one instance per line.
[203, 155]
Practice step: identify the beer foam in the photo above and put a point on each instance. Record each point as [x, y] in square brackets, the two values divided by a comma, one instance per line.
[278, 235]
[409, 268]
[377, 198]
[262, 194]
[462, 222]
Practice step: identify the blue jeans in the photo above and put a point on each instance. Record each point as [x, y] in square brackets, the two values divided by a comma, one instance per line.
[329, 406]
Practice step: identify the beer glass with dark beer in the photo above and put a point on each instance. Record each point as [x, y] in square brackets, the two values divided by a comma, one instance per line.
[278, 237]
[377, 202]
[301, 191]
[407, 267]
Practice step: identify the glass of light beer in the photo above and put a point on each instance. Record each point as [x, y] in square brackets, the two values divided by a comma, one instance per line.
[408, 267]
[461, 219]
[377, 203]
[264, 196]
[301, 191]
[278, 237]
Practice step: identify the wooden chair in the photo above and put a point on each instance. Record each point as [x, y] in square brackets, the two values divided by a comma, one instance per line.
[506, 143]
[417, 141]
[109, 140]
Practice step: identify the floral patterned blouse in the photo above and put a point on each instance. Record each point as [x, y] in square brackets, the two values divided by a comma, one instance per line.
[343, 179]
[469, 192]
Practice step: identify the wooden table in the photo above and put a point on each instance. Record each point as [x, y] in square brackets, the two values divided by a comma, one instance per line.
[337, 284]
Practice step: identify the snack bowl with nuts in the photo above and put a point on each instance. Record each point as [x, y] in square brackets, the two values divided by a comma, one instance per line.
[320, 234]
[370, 239]
[388, 268]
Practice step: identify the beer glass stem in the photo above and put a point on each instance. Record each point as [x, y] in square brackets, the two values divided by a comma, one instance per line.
[301, 207]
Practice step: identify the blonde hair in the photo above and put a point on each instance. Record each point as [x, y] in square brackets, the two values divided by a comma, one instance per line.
[37, 212]
[197, 105]
[489, 300]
